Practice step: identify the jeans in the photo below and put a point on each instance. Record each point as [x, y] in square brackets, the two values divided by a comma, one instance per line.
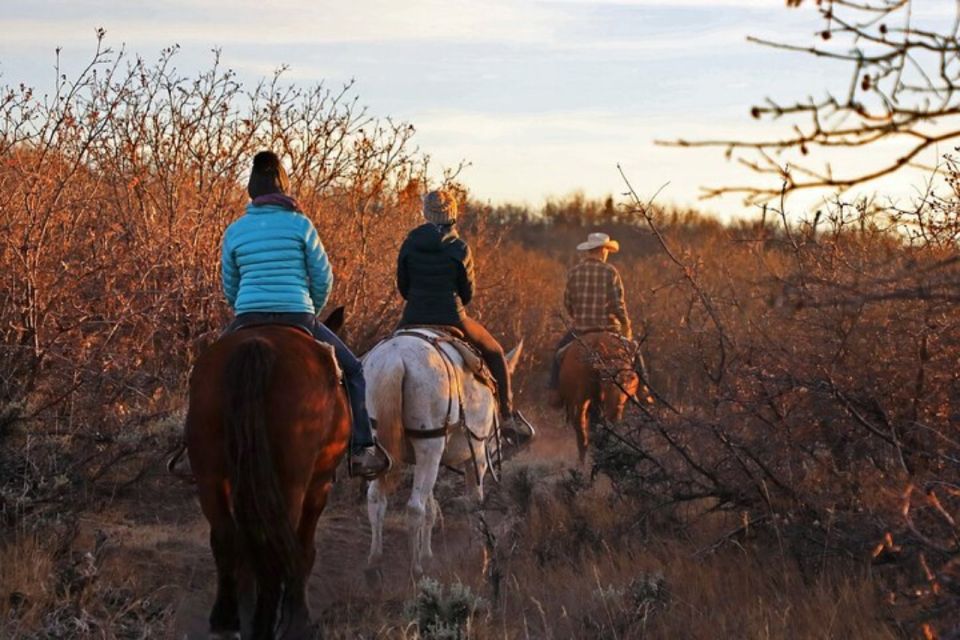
[493, 355]
[354, 382]
[554, 382]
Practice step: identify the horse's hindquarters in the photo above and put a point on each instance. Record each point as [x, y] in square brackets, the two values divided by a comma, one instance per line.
[267, 422]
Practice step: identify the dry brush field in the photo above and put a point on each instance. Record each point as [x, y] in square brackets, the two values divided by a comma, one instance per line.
[795, 476]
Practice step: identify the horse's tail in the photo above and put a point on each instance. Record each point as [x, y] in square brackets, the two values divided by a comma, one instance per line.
[386, 406]
[259, 506]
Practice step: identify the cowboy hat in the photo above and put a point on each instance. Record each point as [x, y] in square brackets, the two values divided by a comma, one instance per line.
[597, 240]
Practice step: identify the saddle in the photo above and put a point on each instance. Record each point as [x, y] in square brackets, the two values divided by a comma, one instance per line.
[437, 336]
[277, 320]
[445, 334]
[264, 320]
[630, 348]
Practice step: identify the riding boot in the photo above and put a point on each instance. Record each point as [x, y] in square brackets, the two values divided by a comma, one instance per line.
[367, 458]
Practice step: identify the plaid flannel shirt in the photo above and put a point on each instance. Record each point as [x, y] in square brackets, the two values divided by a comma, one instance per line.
[594, 298]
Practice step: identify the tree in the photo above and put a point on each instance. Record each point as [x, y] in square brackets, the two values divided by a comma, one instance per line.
[905, 77]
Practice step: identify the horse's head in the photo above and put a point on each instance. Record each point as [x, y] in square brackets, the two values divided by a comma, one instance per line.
[521, 431]
[639, 364]
[335, 320]
[624, 380]
[513, 357]
[615, 393]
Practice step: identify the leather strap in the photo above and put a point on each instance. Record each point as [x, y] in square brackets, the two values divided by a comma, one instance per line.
[424, 434]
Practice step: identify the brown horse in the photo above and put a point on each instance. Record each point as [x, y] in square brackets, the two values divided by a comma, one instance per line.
[267, 424]
[597, 375]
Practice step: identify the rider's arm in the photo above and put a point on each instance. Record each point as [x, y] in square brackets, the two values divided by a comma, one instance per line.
[568, 296]
[403, 276]
[318, 268]
[229, 272]
[618, 306]
[465, 277]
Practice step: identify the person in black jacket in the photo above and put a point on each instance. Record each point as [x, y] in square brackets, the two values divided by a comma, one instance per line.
[435, 277]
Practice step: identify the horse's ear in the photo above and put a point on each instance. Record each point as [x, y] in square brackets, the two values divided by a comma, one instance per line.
[514, 357]
[334, 321]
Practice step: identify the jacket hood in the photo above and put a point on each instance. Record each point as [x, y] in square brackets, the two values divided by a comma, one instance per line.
[431, 238]
[254, 208]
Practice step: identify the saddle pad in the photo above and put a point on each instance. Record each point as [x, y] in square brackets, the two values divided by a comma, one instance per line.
[447, 329]
[472, 359]
[273, 322]
[241, 323]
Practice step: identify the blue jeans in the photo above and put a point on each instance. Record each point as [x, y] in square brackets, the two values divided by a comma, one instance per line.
[354, 382]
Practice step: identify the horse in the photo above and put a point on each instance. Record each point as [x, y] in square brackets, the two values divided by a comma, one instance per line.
[598, 373]
[267, 424]
[430, 409]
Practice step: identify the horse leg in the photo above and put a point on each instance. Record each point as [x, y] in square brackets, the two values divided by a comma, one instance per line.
[377, 512]
[582, 422]
[476, 470]
[433, 513]
[428, 454]
[296, 611]
[273, 589]
[268, 599]
[224, 542]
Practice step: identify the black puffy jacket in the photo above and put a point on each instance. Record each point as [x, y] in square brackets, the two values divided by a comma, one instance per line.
[434, 275]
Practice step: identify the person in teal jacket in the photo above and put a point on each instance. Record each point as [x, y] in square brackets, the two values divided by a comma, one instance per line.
[275, 270]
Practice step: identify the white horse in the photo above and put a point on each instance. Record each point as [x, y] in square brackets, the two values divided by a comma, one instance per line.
[430, 409]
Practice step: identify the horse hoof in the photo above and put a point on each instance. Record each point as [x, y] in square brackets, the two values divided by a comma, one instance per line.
[303, 631]
[374, 577]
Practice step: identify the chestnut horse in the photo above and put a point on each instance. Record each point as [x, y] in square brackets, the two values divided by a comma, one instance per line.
[597, 376]
[267, 424]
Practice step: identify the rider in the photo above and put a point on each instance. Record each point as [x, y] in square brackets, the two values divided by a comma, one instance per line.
[275, 269]
[435, 276]
[593, 298]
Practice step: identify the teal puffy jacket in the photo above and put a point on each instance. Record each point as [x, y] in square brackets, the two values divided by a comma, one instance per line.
[273, 260]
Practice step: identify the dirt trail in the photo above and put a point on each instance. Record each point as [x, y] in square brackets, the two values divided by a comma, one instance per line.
[159, 534]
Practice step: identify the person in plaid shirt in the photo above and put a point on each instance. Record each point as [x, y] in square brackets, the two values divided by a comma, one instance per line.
[593, 298]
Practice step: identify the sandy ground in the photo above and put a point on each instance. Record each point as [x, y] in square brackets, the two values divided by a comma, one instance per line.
[157, 533]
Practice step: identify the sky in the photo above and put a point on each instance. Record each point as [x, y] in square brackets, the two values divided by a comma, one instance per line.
[542, 98]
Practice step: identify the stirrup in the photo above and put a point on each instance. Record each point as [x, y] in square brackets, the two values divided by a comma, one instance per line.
[523, 419]
[521, 437]
[353, 473]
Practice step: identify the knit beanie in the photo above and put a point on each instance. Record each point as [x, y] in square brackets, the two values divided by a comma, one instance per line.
[267, 175]
[440, 207]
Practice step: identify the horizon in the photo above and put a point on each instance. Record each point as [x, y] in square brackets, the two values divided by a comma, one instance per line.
[542, 99]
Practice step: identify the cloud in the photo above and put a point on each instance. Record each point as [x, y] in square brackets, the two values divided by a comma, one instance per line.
[287, 22]
[712, 4]
[516, 156]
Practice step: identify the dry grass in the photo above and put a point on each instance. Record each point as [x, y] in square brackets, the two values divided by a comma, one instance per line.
[808, 370]
[58, 591]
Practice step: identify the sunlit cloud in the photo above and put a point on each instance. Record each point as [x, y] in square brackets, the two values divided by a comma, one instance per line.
[543, 97]
[558, 152]
[290, 22]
